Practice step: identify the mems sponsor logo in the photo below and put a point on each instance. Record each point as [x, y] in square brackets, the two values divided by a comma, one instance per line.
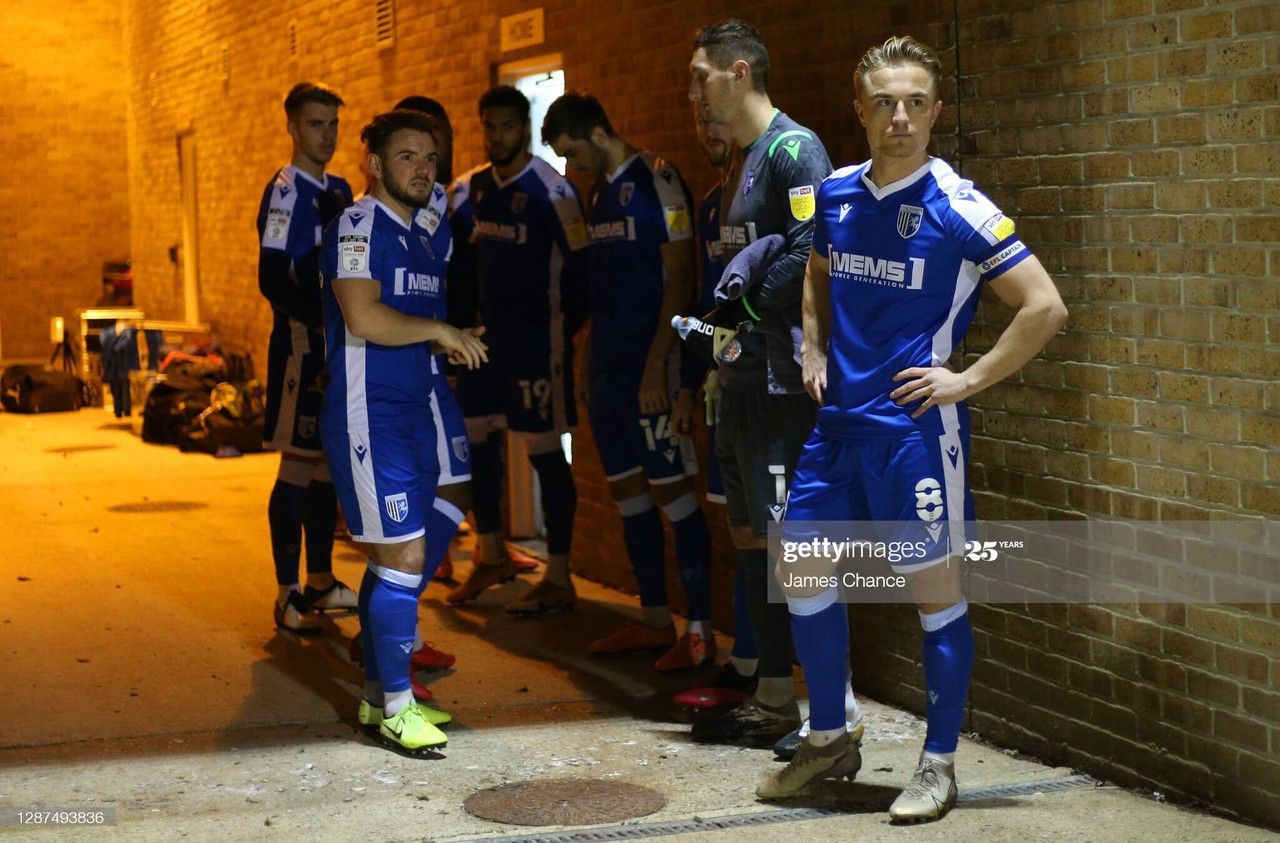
[878, 271]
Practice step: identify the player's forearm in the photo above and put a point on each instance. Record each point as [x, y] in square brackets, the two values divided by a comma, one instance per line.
[815, 309]
[277, 285]
[677, 295]
[1030, 331]
[675, 298]
[375, 322]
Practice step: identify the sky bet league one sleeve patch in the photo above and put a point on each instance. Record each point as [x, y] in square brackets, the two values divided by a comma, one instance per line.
[677, 218]
[1000, 226]
[353, 252]
[802, 202]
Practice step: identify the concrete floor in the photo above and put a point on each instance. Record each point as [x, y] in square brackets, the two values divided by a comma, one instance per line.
[142, 673]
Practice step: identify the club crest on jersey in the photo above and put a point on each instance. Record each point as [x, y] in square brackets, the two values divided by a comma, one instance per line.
[479, 196]
[909, 219]
[426, 244]
[519, 201]
[397, 506]
[461, 449]
[306, 426]
[625, 193]
[748, 183]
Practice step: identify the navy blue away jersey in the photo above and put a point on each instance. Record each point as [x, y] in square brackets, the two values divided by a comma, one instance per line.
[641, 206]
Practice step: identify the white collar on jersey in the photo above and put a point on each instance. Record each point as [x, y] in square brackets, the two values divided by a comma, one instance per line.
[323, 185]
[405, 225]
[622, 168]
[497, 179]
[900, 184]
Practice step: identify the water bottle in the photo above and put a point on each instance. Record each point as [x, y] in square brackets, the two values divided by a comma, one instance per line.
[696, 333]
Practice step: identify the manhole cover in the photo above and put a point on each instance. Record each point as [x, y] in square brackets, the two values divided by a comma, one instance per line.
[157, 506]
[564, 802]
[73, 449]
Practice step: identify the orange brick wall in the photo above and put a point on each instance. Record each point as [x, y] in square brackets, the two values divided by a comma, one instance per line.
[63, 144]
[1135, 143]
[1131, 143]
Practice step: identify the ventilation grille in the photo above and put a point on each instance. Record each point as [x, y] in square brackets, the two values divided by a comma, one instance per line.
[293, 39]
[384, 22]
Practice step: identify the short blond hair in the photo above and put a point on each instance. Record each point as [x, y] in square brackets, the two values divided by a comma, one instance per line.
[898, 51]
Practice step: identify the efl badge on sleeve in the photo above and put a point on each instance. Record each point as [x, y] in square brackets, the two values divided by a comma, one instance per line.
[353, 252]
[909, 219]
[802, 202]
[577, 235]
[677, 218]
[461, 449]
[747, 182]
[1000, 226]
[430, 217]
[625, 193]
[278, 224]
[397, 507]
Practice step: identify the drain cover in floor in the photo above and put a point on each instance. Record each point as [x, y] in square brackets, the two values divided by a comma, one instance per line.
[564, 802]
[158, 506]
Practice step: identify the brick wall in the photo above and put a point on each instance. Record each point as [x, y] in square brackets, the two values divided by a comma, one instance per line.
[1129, 143]
[62, 141]
[1134, 141]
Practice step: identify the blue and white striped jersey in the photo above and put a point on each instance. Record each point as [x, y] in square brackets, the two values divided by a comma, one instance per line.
[371, 384]
[907, 262]
[292, 216]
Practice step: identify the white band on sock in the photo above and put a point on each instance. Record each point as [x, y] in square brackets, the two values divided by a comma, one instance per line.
[812, 605]
[449, 510]
[295, 472]
[636, 505]
[681, 508]
[392, 575]
[932, 622]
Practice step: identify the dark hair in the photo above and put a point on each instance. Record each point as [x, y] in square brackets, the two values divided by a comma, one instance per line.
[576, 115]
[378, 133]
[427, 106]
[305, 92]
[505, 96]
[731, 40]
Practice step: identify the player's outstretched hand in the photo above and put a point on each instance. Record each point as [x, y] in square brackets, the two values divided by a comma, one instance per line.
[653, 389]
[935, 385]
[463, 347]
[814, 373]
